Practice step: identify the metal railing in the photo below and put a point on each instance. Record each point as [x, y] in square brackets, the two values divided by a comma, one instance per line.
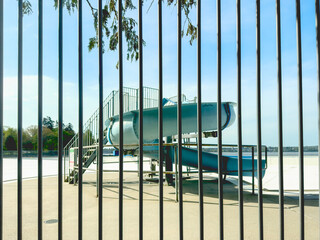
[78, 169]
[110, 109]
[90, 133]
[96, 123]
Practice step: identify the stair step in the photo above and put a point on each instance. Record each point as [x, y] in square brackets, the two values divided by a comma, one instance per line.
[91, 150]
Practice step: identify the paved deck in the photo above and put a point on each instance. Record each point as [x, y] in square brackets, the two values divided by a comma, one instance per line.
[110, 201]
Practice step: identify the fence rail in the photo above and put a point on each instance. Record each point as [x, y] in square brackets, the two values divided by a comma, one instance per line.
[128, 99]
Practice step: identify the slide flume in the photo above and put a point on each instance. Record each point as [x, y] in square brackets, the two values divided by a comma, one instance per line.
[189, 125]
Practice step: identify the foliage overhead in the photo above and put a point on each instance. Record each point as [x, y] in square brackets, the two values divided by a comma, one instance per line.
[110, 23]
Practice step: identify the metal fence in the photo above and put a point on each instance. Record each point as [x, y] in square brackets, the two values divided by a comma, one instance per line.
[121, 96]
[90, 134]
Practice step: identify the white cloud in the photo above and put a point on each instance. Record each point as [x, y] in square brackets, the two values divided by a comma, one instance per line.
[30, 100]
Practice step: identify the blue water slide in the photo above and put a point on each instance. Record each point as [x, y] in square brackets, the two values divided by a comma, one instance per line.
[210, 162]
[189, 125]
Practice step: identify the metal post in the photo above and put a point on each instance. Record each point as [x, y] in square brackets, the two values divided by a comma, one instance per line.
[120, 121]
[88, 133]
[100, 209]
[280, 138]
[97, 171]
[259, 165]
[64, 164]
[318, 80]
[137, 99]
[19, 197]
[160, 122]
[112, 103]
[252, 154]
[176, 173]
[40, 99]
[80, 117]
[169, 163]
[240, 170]
[179, 124]
[76, 169]
[300, 105]
[219, 126]
[1, 119]
[266, 155]
[60, 121]
[140, 123]
[199, 122]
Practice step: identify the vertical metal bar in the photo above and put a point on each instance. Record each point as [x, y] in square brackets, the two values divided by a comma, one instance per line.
[97, 172]
[252, 154]
[40, 99]
[140, 124]
[64, 164]
[179, 124]
[97, 125]
[112, 103]
[88, 132]
[100, 209]
[300, 105]
[240, 170]
[220, 179]
[94, 126]
[19, 197]
[1, 119]
[259, 156]
[137, 99]
[76, 165]
[266, 155]
[199, 121]
[80, 117]
[60, 122]
[280, 131]
[120, 121]
[318, 68]
[176, 172]
[160, 121]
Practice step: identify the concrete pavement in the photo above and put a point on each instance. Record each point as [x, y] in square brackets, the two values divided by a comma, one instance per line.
[171, 210]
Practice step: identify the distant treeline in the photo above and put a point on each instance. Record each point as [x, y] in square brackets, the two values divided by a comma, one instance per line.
[294, 149]
[270, 149]
[30, 136]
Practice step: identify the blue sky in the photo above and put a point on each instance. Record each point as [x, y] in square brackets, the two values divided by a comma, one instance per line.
[209, 65]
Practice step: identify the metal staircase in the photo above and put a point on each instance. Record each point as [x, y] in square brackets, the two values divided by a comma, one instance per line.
[89, 155]
[91, 127]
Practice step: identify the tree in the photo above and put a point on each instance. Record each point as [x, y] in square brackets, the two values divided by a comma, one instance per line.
[10, 143]
[50, 139]
[69, 128]
[48, 122]
[68, 134]
[110, 23]
[27, 143]
[30, 136]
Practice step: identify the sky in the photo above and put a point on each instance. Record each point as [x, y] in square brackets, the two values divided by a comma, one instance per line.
[189, 70]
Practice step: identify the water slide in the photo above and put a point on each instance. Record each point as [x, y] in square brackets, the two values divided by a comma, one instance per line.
[189, 125]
